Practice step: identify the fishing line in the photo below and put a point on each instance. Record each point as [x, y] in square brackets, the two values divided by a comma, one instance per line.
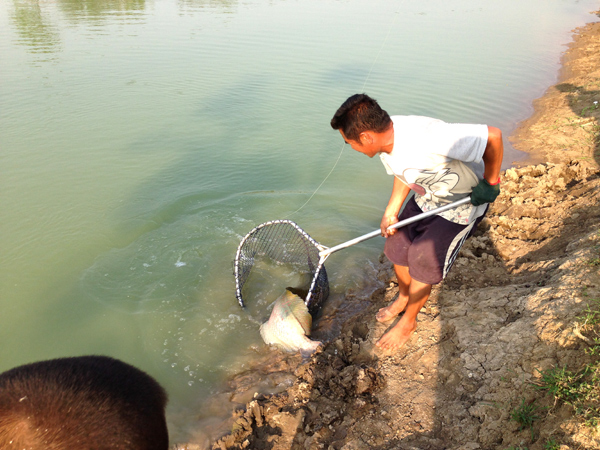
[322, 183]
[396, 14]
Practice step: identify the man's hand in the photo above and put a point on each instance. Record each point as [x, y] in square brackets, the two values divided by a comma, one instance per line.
[484, 192]
[390, 216]
[386, 222]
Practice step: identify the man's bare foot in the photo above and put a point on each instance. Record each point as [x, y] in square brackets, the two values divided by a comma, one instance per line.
[390, 312]
[397, 336]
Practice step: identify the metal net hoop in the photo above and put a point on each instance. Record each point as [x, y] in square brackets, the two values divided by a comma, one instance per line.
[283, 241]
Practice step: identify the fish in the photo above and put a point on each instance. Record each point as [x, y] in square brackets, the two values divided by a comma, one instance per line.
[289, 325]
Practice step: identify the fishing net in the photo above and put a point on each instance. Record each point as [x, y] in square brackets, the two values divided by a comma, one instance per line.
[283, 242]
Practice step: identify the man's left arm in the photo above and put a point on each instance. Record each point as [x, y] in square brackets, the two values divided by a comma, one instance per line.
[488, 189]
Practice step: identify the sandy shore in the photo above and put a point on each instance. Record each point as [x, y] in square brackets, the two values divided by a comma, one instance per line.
[508, 310]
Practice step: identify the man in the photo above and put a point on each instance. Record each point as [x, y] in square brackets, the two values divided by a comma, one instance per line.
[441, 163]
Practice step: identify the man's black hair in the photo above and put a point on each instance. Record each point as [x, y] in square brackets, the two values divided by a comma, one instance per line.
[358, 114]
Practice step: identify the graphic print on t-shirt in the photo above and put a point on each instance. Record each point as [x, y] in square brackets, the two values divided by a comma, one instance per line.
[431, 185]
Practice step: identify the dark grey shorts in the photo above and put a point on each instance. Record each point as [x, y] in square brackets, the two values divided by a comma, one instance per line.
[427, 247]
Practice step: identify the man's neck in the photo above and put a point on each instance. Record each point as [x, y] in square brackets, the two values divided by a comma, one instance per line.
[387, 140]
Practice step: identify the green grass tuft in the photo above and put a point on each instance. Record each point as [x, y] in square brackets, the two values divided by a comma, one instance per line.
[525, 415]
[580, 388]
[551, 444]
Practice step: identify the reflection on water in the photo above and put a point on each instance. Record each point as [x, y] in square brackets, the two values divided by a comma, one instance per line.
[39, 32]
[96, 9]
[223, 5]
[35, 30]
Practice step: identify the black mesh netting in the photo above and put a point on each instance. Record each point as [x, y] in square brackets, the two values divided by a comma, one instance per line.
[284, 242]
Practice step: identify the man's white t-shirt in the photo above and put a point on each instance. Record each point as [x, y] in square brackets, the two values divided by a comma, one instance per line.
[441, 162]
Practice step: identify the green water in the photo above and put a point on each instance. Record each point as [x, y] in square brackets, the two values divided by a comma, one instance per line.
[141, 140]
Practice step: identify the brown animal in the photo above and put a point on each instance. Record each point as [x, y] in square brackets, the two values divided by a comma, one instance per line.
[83, 403]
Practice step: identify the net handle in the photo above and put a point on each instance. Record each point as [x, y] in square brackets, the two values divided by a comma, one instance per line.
[328, 251]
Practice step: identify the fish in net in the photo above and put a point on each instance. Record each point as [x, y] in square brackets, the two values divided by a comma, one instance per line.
[284, 242]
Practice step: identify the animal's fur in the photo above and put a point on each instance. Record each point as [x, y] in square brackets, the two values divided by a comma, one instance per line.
[83, 403]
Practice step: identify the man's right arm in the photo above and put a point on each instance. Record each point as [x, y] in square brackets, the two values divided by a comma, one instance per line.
[400, 191]
[489, 188]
